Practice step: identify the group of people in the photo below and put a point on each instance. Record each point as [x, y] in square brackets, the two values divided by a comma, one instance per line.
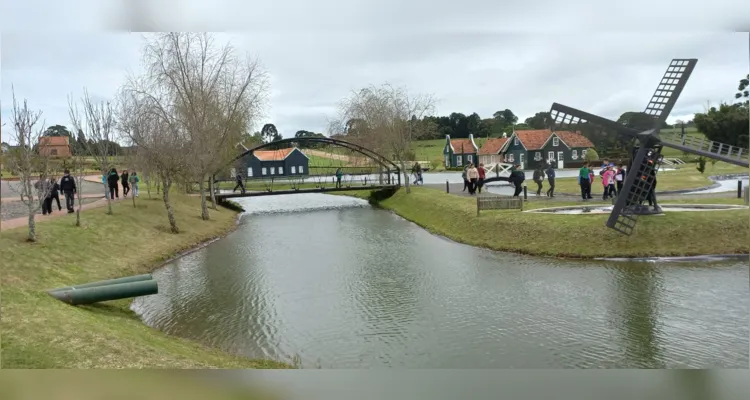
[474, 178]
[612, 180]
[127, 180]
[539, 174]
[50, 189]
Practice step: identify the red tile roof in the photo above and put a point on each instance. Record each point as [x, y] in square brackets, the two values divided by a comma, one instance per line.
[574, 139]
[533, 139]
[272, 155]
[462, 146]
[492, 146]
[53, 141]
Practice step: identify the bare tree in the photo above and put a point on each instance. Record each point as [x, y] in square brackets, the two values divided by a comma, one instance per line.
[98, 123]
[214, 94]
[27, 162]
[387, 119]
[157, 138]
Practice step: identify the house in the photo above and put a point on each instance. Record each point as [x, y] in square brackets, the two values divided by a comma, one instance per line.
[54, 146]
[490, 152]
[287, 162]
[538, 147]
[459, 152]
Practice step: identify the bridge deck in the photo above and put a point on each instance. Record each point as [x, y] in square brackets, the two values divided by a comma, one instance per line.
[222, 196]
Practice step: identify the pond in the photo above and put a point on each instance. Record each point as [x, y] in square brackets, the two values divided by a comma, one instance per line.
[335, 283]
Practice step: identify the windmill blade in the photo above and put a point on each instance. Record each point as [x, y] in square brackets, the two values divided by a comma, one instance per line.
[669, 89]
[569, 116]
[638, 183]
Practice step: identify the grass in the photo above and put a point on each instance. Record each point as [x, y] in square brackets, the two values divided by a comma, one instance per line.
[581, 236]
[41, 332]
[684, 178]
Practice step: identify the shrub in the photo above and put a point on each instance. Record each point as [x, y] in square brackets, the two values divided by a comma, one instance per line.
[701, 164]
[591, 155]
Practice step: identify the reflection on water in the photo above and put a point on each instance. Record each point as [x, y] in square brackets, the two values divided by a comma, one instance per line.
[342, 285]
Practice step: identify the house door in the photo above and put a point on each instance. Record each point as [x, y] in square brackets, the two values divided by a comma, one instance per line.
[560, 160]
[521, 159]
[447, 161]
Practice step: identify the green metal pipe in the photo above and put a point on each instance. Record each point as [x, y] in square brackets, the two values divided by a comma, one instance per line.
[89, 295]
[134, 278]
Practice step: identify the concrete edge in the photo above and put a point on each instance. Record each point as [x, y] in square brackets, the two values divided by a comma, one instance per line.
[702, 258]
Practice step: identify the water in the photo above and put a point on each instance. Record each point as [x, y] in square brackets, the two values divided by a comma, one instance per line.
[348, 286]
[665, 208]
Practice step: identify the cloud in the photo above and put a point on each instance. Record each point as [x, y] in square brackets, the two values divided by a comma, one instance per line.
[475, 56]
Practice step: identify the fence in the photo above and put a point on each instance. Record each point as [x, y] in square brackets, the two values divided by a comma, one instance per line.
[499, 203]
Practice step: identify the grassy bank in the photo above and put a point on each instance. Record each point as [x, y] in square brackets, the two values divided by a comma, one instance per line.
[684, 178]
[41, 332]
[581, 236]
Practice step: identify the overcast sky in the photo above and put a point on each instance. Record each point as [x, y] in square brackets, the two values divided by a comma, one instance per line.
[473, 56]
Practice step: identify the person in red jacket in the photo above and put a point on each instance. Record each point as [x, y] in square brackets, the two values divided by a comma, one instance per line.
[482, 174]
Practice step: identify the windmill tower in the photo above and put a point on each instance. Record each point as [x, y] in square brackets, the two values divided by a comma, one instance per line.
[646, 155]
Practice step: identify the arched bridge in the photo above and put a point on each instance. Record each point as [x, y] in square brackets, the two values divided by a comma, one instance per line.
[305, 165]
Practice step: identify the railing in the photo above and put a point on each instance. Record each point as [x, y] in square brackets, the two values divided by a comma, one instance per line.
[701, 145]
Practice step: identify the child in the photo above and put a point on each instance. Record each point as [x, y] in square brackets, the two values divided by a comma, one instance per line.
[607, 181]
[584, 180]
[620, 178]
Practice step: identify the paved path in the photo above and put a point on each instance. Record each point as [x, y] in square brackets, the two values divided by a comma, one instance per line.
[10, 189]
[507, 190]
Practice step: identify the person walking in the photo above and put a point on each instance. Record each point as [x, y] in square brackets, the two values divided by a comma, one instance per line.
[517, 177]
[134, 179]
[608, 182]
[538, 179]
[551, 180]
[417, 170]
[124, 178]
[584, 181]
[466, 178]
[339, 174]
[113, 180]
[106, 188]
[45, 194]
[240, 184]
[620, 178]
[55, 188]
[473, 175]
[68, 187]
[482, 176]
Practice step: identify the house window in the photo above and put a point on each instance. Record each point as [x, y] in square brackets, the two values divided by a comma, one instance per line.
[281, 170]
[459, 161]
[271, 170]
[301, 169]
[537, 156]
[53, 152]
[551, 155]
[574, 154]
[555, 142]
[263, 171]
[516, 141]
[294, 169]
[469, 158]
[583, 153]
[510, 158]
[249, 172]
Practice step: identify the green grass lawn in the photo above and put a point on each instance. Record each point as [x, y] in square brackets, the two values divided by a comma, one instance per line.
[41, 332]
[686, 177]
[580, 236]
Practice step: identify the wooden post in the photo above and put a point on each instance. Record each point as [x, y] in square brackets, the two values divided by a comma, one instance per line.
[525, 195]
[739, 188]
[447, 187]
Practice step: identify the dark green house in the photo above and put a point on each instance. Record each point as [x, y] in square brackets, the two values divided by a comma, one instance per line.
[460, 152]
[533, 148]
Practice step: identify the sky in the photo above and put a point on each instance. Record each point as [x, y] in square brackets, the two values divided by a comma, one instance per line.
[472, 56]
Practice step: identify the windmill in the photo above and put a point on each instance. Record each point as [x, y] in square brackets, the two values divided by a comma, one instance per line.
[646, 155]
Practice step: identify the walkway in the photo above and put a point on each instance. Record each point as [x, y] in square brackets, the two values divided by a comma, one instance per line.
[23, 221]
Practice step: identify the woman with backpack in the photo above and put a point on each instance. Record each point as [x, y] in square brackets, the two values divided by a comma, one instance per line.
[134, 179]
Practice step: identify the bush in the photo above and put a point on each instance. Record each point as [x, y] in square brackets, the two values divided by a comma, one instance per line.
[591, 155]
[701, 164]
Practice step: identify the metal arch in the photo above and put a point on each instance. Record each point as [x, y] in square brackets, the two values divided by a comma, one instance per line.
[384, 162]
